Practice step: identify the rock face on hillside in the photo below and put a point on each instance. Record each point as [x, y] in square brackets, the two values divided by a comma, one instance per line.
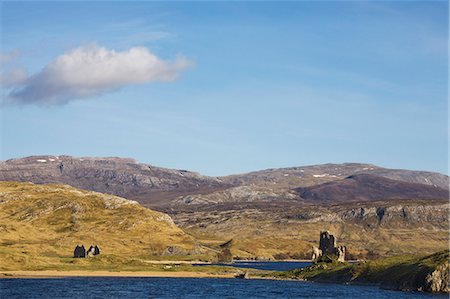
[438, 281]
[118, 176]
[160, 187]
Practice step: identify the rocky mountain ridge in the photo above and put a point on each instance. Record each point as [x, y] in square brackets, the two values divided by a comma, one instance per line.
[271, 213]
[118, 176]
[314, 174]
[161, 187]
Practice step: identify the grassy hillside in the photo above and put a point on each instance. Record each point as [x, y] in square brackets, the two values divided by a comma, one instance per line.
[426, 273]
[40, 225]
[270, 230]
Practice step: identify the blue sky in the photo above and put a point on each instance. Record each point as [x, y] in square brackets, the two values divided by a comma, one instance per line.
[237, 86]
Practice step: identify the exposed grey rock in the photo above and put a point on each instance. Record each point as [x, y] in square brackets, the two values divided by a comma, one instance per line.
[405, 214]
[119, 176]
[438, 281]
[176, 250]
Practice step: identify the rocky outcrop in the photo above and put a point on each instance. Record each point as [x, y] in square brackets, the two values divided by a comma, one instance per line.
[327, 251]
[178, 250]
[405, 273]
[407, 214]
[438, 281]
[246, 194]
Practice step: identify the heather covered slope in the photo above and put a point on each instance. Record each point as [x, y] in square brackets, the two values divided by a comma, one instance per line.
[368, 187]
[40, 225]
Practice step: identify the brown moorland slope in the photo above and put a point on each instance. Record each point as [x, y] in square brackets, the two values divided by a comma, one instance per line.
[40, 225]
[368, 187]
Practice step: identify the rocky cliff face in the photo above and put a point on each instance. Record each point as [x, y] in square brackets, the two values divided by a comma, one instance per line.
[160, 187]
[118, 176]
[438, 281]
[417, 214]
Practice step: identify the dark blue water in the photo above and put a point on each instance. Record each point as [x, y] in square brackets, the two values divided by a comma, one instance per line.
[273, 266]
[112, 287]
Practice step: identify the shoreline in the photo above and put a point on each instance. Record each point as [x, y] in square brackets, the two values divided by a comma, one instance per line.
[272, 261]
[62, 274]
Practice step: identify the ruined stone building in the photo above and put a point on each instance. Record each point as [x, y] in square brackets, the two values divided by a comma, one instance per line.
[80, 251]
[93, 251]
[328, 251]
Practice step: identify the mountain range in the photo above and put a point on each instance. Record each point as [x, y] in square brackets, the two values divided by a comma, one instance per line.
[273, 212]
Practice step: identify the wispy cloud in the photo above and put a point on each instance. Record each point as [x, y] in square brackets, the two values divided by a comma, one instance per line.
[92, 70]
[135, 32]
[7, 57]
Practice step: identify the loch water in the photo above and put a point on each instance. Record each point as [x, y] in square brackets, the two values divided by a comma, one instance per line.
[264, 265]
[152, 287]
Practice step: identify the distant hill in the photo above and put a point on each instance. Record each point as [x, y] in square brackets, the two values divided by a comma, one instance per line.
[40, 225]
[119, 176]
[303, 176]
[368, 187]
[159, 188]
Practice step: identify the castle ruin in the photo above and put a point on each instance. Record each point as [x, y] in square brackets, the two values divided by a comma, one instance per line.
[80, 251]
[328, 251]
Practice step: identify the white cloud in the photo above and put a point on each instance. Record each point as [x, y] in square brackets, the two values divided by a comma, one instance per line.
[13, 77]
[92, 70]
